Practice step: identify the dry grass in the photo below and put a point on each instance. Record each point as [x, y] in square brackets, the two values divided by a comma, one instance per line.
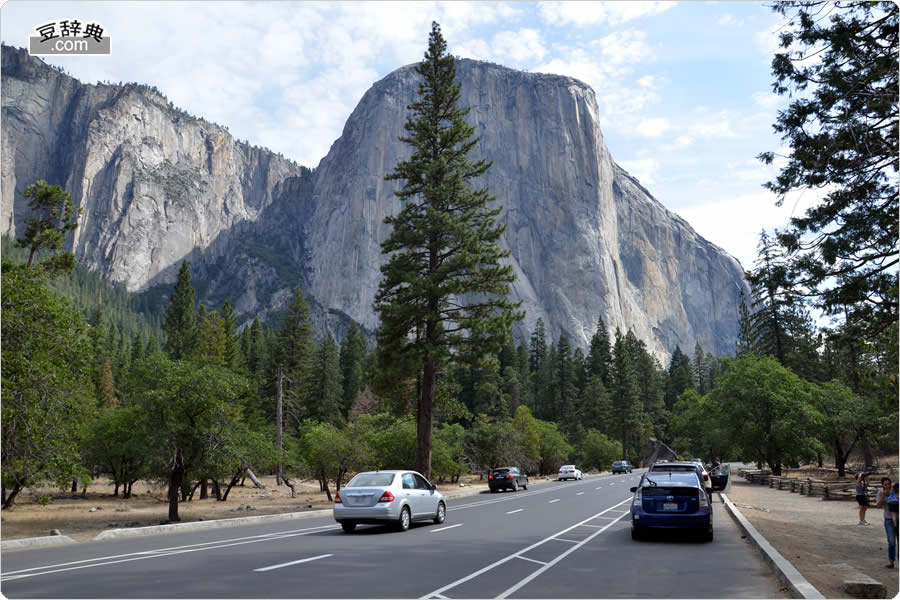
[73, 517]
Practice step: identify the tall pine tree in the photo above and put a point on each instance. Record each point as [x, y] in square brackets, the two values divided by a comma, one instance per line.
[180, 325]
[444, 287]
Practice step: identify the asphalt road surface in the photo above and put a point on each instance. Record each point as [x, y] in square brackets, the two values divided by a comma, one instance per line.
[556, 540]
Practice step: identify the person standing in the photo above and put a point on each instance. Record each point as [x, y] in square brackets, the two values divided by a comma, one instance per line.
[862, 496]
[881, 500]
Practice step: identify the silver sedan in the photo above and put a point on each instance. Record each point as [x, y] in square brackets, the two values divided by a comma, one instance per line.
[393, 497]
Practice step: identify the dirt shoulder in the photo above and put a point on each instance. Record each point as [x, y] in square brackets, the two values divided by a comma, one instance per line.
[83, 518]
[813, 533]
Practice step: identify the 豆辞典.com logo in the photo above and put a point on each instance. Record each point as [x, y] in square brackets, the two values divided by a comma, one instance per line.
[68, 36]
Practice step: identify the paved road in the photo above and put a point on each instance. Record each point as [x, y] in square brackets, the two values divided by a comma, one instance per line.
[555, 540]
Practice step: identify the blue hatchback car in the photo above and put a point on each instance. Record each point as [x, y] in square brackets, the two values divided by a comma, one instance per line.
[671, 500]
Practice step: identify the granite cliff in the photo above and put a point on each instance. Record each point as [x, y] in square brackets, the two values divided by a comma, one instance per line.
[159, 185]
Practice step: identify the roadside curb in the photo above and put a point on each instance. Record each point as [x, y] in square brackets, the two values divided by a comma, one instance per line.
[50, 540]
[213, 524]
[786, 572]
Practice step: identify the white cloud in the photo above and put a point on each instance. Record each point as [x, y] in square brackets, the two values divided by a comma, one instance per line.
[766, 100]
[584, 14]
[711, 124]
[767, 40]
[652, 127]
[734, 222]
[518, 46]
[729, 20]
[644, 169]
[624, 47]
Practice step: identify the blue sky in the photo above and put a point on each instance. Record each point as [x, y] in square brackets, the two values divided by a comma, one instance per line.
[683, 88]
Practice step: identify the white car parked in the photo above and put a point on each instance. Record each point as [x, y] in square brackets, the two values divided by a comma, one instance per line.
[569, 472]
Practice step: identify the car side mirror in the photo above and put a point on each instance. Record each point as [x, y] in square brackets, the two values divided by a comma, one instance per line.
[633, 490]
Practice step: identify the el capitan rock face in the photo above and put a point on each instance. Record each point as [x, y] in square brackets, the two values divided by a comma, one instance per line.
[159, 186]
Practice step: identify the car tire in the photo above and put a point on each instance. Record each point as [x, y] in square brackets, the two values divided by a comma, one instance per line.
[525, 485]
[709, 536]
[405, 519]
[493, 490]
[515, 487]
[441, 514]
[348, 527]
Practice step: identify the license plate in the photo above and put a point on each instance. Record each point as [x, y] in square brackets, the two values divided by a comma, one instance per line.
[670, 506]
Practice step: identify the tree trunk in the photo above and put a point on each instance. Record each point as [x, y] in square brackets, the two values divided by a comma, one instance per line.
[8, 500]
[288, 483]
[193, 489]
[75, 485]
[425, 417]
[278, 425]
[324, 480]
[176, 476]
[116, 490]
[218, 490]
[204, 494]
[254, 479]
[243, 479]
[868, 454]
[230, 485]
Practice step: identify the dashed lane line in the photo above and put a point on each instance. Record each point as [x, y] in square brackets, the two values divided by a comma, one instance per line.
[515, 511]
[552, 501]
[540, 562]
[579, 493]
[446, 528]
[294, 562]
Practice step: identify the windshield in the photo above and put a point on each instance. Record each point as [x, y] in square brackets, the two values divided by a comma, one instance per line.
[371, 480]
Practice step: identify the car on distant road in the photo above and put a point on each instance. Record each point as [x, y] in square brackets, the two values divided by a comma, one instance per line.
[685, 466]
[507, 478]
[621, 466]
[671, 500]
[392, 497]
[570, 472]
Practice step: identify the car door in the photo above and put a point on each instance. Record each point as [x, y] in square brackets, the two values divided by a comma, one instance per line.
[428, 500]
[410, 493]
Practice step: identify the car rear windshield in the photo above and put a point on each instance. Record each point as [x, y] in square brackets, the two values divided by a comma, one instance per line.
[371, 480]
[499, 472]
[678, 492]
[689, 469]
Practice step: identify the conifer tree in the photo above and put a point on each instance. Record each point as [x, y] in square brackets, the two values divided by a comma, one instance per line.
[701, 379]
[353, 354]
[443, 288]
[297, 355]
[680, 378]
[53, 215]
[598, 359]
[746, 340]
[566, 391]
[229, 323]
[324, 403]
[180, 325]
[625, 396]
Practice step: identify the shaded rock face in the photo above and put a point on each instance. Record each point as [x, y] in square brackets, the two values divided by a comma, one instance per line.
[159, 186]
[586, 239]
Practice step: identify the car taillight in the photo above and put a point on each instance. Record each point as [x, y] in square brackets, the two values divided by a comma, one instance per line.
[386, 497]
[490, 477]
[637, 499]
[704, 501]
[509, 476]
[337, 498]
[705, 476]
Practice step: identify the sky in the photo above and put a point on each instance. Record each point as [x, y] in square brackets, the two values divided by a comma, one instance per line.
[684, 89]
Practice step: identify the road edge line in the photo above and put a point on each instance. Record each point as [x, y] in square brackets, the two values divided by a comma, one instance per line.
[784, 570]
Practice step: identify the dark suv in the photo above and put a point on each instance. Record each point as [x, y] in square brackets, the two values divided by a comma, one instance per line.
[507, 478]
[621, 466]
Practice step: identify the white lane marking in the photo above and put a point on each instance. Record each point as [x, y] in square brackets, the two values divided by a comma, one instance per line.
[579, 493]
[599, 488]
[510, 497]
[578, 545]
[294, 562]
[613, 483]
[597, 526]
[162, 552]
[552, 501]
[445, 528]
[612, 518]
[540, 562]
[515, 511]
[495, 564]
[565, 540]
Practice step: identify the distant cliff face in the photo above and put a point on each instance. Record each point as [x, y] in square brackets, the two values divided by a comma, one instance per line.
[586, 239]
[159, 186]
[155, 183]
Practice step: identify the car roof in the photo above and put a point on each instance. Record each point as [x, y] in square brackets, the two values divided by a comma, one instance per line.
[395, 471]
[680, 463]
[676, 479]
[502, 468]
